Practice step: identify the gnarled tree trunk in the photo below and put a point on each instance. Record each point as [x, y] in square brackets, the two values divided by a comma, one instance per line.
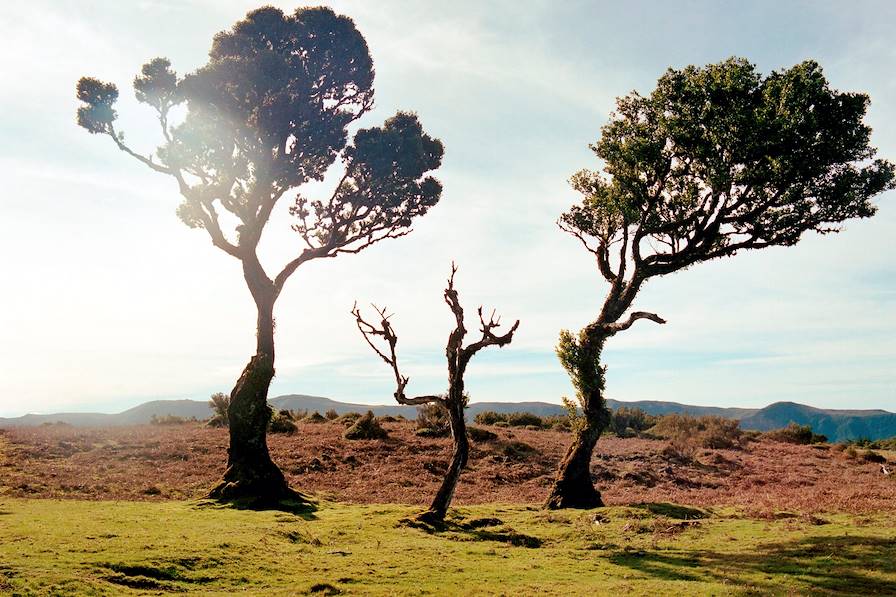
[461, 453]
[251, 474]
[573, 487]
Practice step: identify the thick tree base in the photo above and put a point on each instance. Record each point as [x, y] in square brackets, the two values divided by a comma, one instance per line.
[249, 487]
[584, 496]
[431, 517]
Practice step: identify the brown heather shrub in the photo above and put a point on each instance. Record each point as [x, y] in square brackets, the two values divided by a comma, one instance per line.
[331, 414]
[367, 427]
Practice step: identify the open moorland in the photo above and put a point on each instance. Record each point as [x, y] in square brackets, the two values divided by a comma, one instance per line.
[164, 462]
[119, 511]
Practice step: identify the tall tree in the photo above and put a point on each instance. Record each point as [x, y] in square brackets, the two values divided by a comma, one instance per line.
[716, 160]
[455, 400]
[269, 112]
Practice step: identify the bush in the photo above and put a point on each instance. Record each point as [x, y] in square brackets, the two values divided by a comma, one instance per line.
[517, 450]
[170, 420]
[282, 421]
[389, 419]
[524, 420]
[795, 434]
[366, 427]
[349, 418]
[331, 414]
[489, 417]
[478, 434]
[872, 456]
[433, 416]
[427, 432]
[629, 422]
[220, 404]
[315, 417]
[686, 434]
[516, 419]
[557, 422]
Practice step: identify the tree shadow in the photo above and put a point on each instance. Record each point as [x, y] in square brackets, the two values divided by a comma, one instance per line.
[297, 503]
[476, 529]
[836, 565]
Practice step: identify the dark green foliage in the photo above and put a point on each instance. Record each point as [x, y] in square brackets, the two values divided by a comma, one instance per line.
[97, 114]
[872, 456]
[433, 417]
[480, 435]
[881, 444]
[514, 419]
[795, 434]
[629, 422]
[366, 427]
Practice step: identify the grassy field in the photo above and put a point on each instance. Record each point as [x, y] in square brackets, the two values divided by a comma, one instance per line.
[112, 548]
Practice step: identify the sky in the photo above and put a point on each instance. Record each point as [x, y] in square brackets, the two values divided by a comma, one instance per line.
[108, 300]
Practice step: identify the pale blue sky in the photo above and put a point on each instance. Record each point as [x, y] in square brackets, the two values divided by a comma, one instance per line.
[108, 300]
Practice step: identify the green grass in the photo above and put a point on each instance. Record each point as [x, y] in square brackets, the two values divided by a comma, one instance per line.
[128, 548]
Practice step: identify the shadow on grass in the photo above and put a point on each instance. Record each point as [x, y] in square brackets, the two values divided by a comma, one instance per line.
[298, 504]
[476, 529]
[673, 511]
[843, 565]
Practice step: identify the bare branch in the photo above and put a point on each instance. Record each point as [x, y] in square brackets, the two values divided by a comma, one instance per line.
[386, 332]
[624, 325]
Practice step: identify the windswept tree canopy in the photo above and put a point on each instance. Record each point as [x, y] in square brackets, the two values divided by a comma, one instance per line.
[268, 113]
[718, 159]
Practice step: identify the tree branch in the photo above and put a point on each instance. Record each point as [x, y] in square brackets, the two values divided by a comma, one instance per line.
[624, 325]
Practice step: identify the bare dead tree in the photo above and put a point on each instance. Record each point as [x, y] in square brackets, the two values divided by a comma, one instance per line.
[454, 401]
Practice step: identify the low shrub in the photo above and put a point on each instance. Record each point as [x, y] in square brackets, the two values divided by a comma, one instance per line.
[331, 414]
[433, 416]
[389, 419]
[220, 404]
[557, 422]
[630, 422]
[349, 418]
[315, 417]
[795, 434]
[524, 419]
[478, 434]
[489, 417]
[170, 420]
[515, 419]
[872, 456]
[282, 421]
[687, 434]
[516, 450]
[429, 432]
[366, 427]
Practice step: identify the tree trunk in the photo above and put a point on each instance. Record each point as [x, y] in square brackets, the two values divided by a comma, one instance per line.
[442, 500]
[573, 487]
[251, 474]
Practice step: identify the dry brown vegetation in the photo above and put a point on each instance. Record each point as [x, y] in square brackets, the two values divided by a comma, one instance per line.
[184, 461]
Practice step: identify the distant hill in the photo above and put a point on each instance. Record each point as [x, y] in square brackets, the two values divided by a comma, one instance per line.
[837, 425]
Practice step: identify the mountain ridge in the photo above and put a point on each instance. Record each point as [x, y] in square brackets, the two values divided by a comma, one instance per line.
[836, 424]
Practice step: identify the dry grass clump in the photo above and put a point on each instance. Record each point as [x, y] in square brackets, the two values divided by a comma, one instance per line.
[432, 420]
